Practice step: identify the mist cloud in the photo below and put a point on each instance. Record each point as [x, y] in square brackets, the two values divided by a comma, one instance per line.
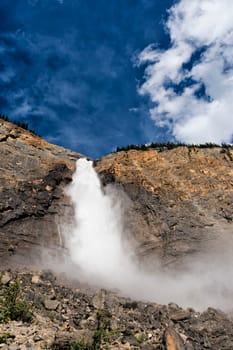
[191, 83]
[99, 252]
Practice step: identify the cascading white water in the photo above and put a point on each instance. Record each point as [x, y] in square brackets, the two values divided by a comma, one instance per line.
[96, 246]
[96, 241]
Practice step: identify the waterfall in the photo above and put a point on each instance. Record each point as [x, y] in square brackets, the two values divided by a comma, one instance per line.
[100, 254]
[96, 243]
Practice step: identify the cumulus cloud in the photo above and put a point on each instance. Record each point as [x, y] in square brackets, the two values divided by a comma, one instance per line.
[191, 83]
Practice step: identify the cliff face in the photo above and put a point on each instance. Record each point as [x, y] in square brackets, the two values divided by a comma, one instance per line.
[33, 175]
[180, 198]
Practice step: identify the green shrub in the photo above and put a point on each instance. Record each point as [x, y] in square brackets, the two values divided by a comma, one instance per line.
[163, 146]
[79, 345]
[22, 125]
[5, 336]
[226, 149]
[12, 307]
[103, 331]
[4, 117]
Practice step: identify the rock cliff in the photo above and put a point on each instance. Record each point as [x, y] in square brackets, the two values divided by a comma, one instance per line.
[179, 202]
[33, 175]
[179, 199]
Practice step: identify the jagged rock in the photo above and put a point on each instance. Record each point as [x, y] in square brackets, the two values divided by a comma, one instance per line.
[13, 347]
[180, 315]
[51, 304]
[99, 299]
[173, 340]
[6, 278]
[36, 279]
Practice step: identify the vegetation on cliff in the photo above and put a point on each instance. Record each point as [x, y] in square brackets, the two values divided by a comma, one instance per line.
[22, 125]
[162, 146]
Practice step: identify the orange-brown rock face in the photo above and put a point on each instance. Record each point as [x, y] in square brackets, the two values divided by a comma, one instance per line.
[180, 198]
[32, 178]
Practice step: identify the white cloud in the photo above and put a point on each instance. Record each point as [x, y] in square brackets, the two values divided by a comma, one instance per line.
[192, 26]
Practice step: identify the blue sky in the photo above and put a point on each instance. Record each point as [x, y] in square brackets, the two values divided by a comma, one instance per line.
[84, 73]
[68, 69]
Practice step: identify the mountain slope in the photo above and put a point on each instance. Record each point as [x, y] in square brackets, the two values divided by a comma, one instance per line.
[33, 175]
